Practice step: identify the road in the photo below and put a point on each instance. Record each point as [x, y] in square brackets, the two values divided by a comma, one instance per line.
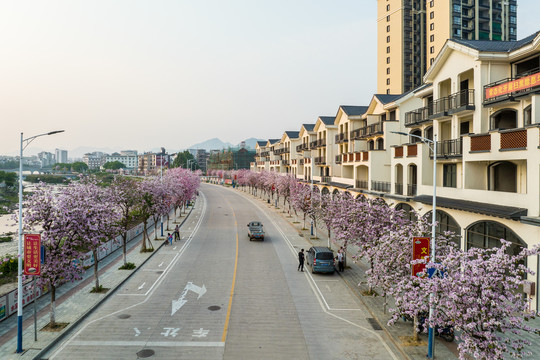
[217, 295]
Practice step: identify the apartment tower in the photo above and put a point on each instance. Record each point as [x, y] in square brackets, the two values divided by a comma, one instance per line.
[410, 34]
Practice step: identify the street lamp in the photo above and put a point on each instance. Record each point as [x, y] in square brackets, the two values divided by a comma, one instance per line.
[433, 220]
[24, 144]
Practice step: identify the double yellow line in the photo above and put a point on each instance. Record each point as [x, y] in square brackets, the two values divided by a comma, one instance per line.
[226, 327]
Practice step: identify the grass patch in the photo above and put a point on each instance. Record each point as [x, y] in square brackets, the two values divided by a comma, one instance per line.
[5, 238]
[409, 341]
[59, 326]
[127, 266]
[99, 290]
[369, 293]
[147, 250]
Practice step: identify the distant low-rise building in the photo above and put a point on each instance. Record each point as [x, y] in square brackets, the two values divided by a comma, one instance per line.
[94, 160]
[46, 158]
[128, 158]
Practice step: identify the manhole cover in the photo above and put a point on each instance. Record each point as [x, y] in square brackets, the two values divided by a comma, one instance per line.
[159, 272]
[374, 324]
[226, 214]
[124, 316]
[144, 353]
[214, 308]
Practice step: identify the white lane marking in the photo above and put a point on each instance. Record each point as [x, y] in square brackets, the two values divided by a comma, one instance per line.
[174, 248]
[150, 291]
[150, 343]
[177, 304]
[142, 285]
[160, 265]
[317, 291]
[137, 332]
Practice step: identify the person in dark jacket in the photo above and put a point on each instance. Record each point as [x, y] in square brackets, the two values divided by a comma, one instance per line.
[301, 258]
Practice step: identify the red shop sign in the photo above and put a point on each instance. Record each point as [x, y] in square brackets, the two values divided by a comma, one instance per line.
[32, 254]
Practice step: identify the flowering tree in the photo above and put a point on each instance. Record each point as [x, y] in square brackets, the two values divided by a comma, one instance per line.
[301, 199]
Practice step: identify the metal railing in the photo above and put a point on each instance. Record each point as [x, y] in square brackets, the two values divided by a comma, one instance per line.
[338, 159]
[398, 188]
[326, 179]
[361, 184]
[448, 148]
[341, 138]
[382, 186]
[411, 190]
[320, 160]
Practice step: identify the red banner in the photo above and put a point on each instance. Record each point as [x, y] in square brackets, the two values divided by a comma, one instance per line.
[32, 254]
[513, 85]
[420, 251]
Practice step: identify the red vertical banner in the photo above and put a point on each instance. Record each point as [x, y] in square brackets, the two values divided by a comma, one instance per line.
[32, 254]
[420, 251]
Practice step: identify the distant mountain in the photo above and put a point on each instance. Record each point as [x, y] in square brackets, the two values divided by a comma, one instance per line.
[251, 143]
[217, 144]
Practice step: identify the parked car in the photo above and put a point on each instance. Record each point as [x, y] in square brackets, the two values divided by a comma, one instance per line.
[321, 259]
[255, 230]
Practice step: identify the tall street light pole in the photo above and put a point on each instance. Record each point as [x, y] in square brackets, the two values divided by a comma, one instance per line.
[24, 144]
[433, 230]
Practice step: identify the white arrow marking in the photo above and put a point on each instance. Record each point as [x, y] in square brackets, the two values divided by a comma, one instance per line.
[142, 285]
[137, 332]
[177, 304]
[160, 264]
[174, 248]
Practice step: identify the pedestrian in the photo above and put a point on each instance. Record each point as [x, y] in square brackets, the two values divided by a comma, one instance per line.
[301, 258]
[176, 233]
[169, 238]
[340, 261]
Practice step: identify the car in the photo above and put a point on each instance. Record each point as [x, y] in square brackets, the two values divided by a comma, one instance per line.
[255, 230]
[321, 259]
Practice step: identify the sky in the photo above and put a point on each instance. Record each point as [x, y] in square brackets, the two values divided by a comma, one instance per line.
[130, 74]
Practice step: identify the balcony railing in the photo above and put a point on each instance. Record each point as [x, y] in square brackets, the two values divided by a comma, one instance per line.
[361, 184]
[462, 100]
[320, 160]
[412, 150]
[448, 148]
[382, 186]
[300, 148]
[440, 107]
[342, 138]
[338, 159]
[398, 188]
[326, 179]
[285, 162]
[265, 153]
[355, 134]
[411, 190]
[481, 142]
[301, 161]
[513, 139]
[313, 144]
[321, 143]
[418, 116]
[507, 88]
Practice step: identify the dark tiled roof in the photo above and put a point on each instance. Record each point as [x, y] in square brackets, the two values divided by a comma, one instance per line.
[386, 98]
[327, 120]
[496, 46]
[261, 143]
[292, 134]
[353, 110]
[309, 127]
[273, 141]
[505, 212]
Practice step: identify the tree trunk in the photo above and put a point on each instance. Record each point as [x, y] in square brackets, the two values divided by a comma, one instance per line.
[415, 326]
[124, 247]
[145, 234]
[52, 322]
[96, 271]
[167, 221]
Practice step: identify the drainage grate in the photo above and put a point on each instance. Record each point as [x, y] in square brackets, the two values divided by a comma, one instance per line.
[144, 353]
[159, 272]
[374, 324]
[214, 308]
[124, 316]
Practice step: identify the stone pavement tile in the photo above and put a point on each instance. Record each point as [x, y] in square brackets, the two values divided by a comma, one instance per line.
[78, 302]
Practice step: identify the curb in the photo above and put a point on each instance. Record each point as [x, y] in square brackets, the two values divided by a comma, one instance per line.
[96, 305]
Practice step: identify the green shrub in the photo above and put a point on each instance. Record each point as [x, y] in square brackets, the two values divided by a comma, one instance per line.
[127, 266]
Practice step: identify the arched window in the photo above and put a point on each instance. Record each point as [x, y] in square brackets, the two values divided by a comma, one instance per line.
[361, 197]
[325, 191]
[414, 139]
[347, 195]
[527, 115]
[487, 235]
[428, 133]
[335, 194]
[504, 119]
[502, 176]
[371, 145]
[445, 223]
[408, 211]
[380, 144]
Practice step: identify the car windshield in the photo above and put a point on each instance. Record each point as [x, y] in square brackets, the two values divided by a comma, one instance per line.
[255, 224]
[325, 256]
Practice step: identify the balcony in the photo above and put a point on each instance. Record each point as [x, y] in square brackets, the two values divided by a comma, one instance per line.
[382, 186]
[361, 184]
[342, 138]
[511, 139]
[412, 150]
[398, 152]
[411, 190]
[440, 108]
[398, 189]
[448, 148]
[509, 88]
[285, 162]
[326, 179]
[300, 148]
[301, 161]
[321, 143]
[418, 116]
[461, 101]
[265, 153]
[357, 134]
[313, 144]
[338, 159]
[320, 160]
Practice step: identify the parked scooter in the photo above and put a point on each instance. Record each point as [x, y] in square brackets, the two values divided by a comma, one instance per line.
[446, 333]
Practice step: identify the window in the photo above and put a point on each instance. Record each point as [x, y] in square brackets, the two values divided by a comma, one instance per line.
[457, 8]
[432, 49]
[457, 20]
[432, 26]
[431, 3]
[527, 116]
[388, 39]
[408, 211]
[432, 38]
[504, 119]
[513, 8]
[431, 61]
[388, 18]
[387, 70]
[388, 7]
[449, 175]
[388, 60]
[388, 91]
[512, 19]
[387, 28]
[487, 235]
[387, 49]
[432, 15]
[388, 81]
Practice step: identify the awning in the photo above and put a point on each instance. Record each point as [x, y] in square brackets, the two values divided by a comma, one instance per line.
[505, 212]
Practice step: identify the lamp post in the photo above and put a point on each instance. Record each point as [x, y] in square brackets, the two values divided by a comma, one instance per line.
[24, 144]
[433, 228]
[161, 178]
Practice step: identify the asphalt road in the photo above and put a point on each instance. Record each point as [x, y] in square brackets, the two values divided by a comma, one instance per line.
[217, 295]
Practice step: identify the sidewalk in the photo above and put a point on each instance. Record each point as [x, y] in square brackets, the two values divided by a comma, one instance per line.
[354, 277]
[74, 300]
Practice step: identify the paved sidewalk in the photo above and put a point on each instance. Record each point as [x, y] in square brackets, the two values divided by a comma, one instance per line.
[74, 300]
[354, 277]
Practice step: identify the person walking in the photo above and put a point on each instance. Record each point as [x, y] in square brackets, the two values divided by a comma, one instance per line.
[176, 233]
[301, 258]
[340, 260]
[169, 238]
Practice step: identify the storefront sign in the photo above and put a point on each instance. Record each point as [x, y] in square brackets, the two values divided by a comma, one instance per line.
[513, 85]
[420, 251]
[32, 254]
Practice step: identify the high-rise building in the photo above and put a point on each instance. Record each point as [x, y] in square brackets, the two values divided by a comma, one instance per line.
[61, 156]
[410, 34]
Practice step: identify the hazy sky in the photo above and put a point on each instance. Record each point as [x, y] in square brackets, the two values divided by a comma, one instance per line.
[145, 74]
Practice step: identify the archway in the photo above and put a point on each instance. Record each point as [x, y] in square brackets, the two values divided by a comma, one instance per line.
[502, 176]
[504, 119]
[487, 235]
[408, 211]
